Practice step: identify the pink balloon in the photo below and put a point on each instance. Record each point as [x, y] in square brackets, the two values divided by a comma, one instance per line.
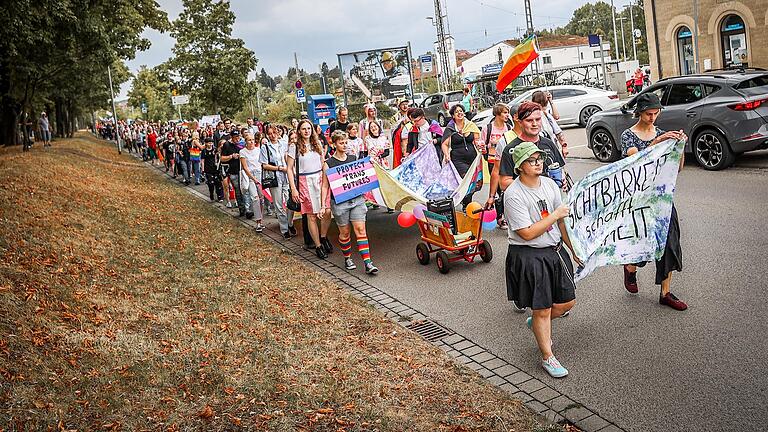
[406, 219]
[418, 211]
[489, 215]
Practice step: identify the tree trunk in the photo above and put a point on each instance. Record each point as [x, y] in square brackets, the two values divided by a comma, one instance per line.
[9, 114]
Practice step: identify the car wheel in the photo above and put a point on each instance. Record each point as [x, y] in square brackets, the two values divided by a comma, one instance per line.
[603, 146]
[711, 150]
[586, 113]
[441, 120]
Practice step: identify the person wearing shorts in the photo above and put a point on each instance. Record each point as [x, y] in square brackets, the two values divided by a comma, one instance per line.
[347, 213]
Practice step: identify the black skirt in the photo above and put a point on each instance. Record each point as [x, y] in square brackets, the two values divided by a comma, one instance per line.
[672, 260]
[539, 277]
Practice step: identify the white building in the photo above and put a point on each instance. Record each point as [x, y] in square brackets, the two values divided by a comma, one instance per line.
[554, 52]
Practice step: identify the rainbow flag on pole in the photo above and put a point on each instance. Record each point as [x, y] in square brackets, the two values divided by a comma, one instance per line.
[521, 57]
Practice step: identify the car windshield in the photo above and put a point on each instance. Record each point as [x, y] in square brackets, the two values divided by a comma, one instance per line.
[455, 97]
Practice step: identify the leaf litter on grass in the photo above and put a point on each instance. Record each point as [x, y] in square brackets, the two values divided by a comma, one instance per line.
[129, 306]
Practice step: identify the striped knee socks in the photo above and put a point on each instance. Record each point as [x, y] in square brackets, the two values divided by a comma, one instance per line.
[346, 246]
[362, 247]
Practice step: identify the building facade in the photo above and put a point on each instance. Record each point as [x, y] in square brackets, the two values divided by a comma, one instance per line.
[730, 34]
[554, 52]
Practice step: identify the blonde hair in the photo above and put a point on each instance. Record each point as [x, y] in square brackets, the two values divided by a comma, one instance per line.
[338, 136]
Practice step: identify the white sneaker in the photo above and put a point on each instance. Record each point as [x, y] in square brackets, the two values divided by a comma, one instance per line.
[259, 228]
[553, 367]
[229, 205]
[371, 269]
[349, 264]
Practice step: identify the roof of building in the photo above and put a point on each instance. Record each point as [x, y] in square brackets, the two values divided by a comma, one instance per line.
[554, 41]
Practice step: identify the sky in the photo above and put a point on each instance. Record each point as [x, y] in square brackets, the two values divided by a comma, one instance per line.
[274, 30]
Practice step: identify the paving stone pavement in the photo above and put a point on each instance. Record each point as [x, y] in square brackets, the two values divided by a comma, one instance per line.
[552, 406]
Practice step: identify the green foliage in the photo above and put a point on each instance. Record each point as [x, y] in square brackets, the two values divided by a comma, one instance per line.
[596, 19]
[152, 88]
[55, 55]
[210, 65]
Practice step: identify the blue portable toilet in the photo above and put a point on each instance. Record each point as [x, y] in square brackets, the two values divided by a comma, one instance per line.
[320, 109]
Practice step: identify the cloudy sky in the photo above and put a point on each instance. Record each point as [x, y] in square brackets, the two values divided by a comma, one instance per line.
[317, 31]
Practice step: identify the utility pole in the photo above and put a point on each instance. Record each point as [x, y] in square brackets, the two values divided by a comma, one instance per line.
[529, 31]
[114, 111]
[623, 44]
[632, 23]
[442, 49]
[615, 37]
[298, 75]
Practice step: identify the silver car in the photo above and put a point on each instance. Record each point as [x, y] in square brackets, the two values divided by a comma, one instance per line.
[724, 114]
[436, 105]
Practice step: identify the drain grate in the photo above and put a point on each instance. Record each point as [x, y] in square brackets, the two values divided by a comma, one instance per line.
[429, 330]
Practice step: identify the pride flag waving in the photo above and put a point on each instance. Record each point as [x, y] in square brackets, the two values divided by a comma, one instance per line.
[521, 57]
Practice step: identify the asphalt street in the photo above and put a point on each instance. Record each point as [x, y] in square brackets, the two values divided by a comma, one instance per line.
[641, 365]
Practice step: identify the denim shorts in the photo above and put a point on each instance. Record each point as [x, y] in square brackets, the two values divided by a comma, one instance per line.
[353, 210]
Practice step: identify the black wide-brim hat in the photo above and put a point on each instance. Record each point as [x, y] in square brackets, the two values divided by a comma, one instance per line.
[647, 101]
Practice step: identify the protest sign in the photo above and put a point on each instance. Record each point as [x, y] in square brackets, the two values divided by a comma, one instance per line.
[352, 179]
[620, 212]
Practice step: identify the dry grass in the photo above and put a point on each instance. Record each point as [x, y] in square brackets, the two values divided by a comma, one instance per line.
[128, 305]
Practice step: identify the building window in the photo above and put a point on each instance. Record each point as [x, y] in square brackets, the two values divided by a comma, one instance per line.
[606, 53]
[582, 55]
[547, 60]
[733, 37]
[685, 50]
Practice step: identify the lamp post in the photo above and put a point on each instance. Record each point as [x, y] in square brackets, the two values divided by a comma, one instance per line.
[623, 43]
[615, 37]
[632, 23]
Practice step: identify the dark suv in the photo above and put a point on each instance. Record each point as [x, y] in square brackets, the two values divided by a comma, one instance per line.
[724, 114]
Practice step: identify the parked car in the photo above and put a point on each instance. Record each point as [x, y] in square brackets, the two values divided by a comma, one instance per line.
[436, 105]
[724, 114]
[575, 103]
[418, 98]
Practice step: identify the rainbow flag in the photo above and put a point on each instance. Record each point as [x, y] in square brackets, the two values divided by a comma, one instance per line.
[521, 57]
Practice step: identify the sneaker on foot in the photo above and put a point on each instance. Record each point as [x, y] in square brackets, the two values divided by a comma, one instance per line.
[326, 245]
[234, 205]
[349, 264]
[673, 302]
[259, 228]
[287, 235]
[630, 281]
[553, 367]
[371, 269]
[229, 205]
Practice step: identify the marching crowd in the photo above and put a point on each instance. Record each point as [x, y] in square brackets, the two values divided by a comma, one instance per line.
[267, 169]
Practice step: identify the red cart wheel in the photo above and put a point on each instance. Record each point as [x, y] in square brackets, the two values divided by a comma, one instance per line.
[485, 251]
[422, 253]
[443, 264]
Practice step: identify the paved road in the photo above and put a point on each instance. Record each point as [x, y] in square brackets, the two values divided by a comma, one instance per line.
[643, 366]
[634, 362]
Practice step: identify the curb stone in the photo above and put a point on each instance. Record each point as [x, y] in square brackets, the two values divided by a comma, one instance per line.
[550, 405]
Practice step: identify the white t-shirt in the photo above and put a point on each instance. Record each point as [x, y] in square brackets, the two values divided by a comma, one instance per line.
[251, 157]
[523, 206]
[310, 162]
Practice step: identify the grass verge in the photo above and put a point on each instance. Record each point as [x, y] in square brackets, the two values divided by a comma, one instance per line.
[128, 305]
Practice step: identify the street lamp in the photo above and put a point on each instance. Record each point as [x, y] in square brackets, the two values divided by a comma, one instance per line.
[632, 23]
[615, 38]
[623, 44]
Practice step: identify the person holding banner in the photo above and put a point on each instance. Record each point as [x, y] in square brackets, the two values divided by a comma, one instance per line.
[644, 134]
[539, 273]
[348, 212]
[307, 158]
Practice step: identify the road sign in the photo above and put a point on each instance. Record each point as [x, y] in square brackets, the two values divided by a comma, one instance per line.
[426, 63]
[493, 68]
[594, 40]
[180, 100]
[298, 84]
[301, 97]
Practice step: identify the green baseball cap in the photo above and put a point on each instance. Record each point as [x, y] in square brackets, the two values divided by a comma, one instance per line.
[523, 151]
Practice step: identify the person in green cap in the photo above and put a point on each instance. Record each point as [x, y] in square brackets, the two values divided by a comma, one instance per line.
[539, 273]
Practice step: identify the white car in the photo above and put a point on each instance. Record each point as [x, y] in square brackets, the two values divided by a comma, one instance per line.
[418, 98]
[575, 104]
